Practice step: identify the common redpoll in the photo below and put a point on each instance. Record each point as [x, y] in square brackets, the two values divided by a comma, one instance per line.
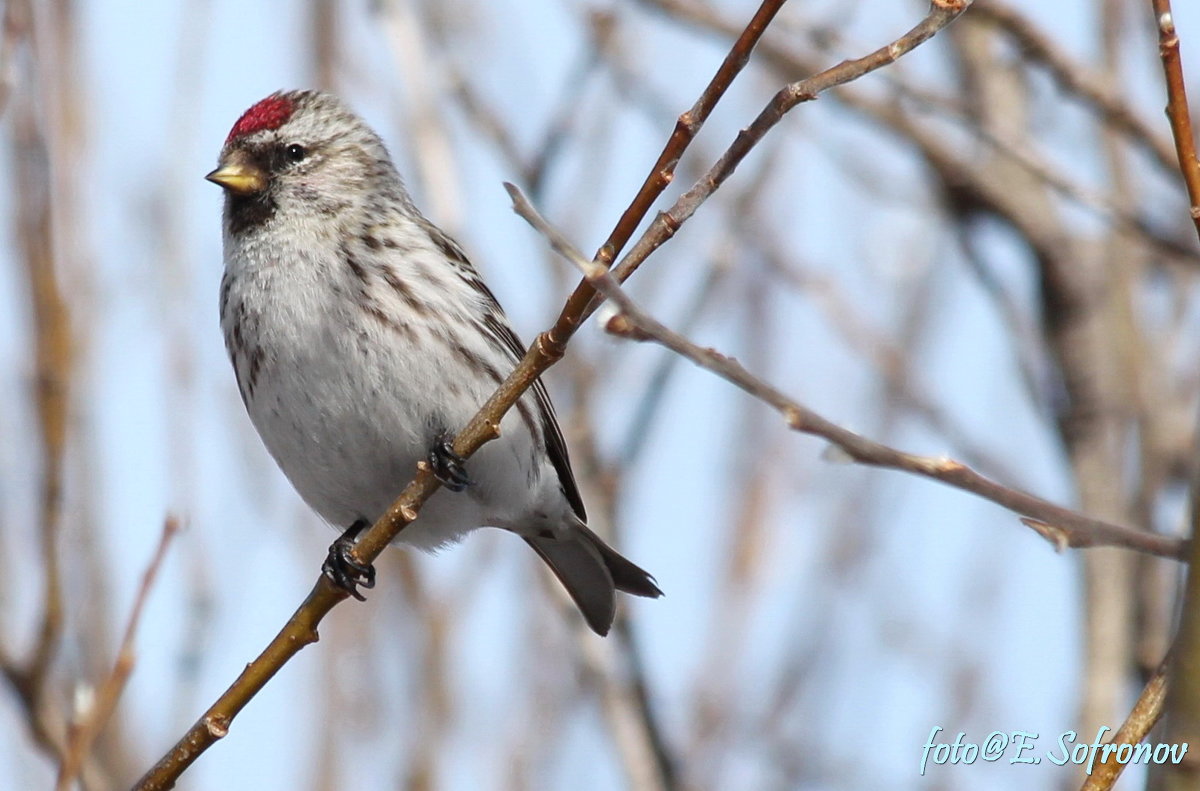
[362, 338]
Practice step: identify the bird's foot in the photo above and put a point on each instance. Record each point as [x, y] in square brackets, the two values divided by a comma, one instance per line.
[342, 569]
[448, 467]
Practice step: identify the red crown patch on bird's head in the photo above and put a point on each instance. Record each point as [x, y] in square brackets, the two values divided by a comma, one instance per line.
[271, 113]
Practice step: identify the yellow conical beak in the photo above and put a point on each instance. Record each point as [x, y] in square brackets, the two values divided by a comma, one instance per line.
[239, 177]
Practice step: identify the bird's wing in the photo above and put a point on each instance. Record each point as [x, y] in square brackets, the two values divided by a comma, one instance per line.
[496, 324]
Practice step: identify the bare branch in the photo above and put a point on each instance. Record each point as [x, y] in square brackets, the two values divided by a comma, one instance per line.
[1061, 526]
[83, 733]
[1184, 702]
[36, 234]
[1072, 76]
[1142, 718]
[941, 14]
[1177, 105]
[663, 171]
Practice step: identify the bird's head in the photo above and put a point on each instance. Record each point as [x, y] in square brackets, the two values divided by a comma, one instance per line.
[300, 152]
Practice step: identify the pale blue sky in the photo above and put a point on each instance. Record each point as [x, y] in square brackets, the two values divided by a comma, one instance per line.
[951, 577]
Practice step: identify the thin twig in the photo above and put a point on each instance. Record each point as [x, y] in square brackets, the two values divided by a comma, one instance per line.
[14, 26]
[1061, 526]
[435, 164]
[1184, 704]
[648, 766]
[84, 732]
[1141, 720]
[666, 224]
[933, 143]
[887, 355]
[663, 171]
[1075, 78]
[1177, 105]
[35, 231]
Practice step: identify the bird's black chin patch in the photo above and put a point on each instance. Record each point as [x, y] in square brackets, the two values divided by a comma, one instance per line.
[249, 212]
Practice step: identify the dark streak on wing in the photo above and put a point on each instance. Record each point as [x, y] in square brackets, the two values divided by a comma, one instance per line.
[235, 346]
[495, 325]
[255, 365]
[355, 266]
[226, 284]
[405, 293]
[556, 446]
[387, 320]
[475, 362]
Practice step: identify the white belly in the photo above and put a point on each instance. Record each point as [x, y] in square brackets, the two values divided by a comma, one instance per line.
[347, 406]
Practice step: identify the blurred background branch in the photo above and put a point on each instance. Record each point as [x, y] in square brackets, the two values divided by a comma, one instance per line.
[981, 251]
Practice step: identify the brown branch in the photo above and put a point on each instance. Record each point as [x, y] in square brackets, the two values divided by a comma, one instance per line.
[53, 354]
[1094, 89]
[932, 144]
[1184, 701]
[887, 355]
[663, 171]
[617, 666]
[1061, 526]
[1177, 105]
[83, 733]
[435, 164]
[638, 741]
[666, 224]
[324, 29]
[1141, 720]
[14, 26]
[35, 231]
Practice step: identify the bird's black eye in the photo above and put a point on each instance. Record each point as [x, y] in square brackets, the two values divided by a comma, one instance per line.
[295, 152]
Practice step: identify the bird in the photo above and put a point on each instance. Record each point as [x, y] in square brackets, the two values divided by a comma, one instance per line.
[362, 338]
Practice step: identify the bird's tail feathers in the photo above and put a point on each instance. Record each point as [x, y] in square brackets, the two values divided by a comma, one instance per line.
[592, 572]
